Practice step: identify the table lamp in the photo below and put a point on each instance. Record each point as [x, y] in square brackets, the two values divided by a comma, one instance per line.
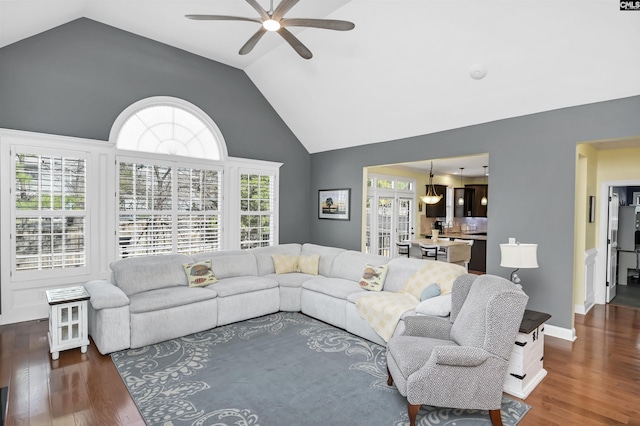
[517, 255]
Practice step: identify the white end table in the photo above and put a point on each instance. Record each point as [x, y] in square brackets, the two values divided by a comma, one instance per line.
[526, 370]
[68, 324]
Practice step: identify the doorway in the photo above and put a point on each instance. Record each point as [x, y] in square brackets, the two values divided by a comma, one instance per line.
[618, 236]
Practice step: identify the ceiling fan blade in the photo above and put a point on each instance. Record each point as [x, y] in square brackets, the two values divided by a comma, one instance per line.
[221, 18]
[283, 8]
[328, 24]
[251, 43]
[295, 43]
[263, 13]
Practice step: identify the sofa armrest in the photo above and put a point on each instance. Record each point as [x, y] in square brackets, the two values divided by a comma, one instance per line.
[459, 356]
[105, 295]
[427, 326]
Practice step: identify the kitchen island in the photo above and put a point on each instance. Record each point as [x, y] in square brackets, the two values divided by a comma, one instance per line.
[454, 251]
[478, 262]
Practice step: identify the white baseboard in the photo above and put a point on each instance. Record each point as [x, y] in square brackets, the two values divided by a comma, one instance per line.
[582, 309]
[560, 332]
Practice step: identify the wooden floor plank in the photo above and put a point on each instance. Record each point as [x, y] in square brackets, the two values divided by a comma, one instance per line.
[592, 381]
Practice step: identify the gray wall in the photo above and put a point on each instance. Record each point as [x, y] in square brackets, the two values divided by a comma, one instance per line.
[531, 186]
[74, 80]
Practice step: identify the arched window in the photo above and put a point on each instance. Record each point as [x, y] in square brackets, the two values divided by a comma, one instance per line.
[171, 126]
[168, 204]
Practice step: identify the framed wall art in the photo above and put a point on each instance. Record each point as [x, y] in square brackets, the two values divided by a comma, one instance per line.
[334, 204]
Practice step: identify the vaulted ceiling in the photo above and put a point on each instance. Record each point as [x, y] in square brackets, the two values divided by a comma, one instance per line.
[405, 68]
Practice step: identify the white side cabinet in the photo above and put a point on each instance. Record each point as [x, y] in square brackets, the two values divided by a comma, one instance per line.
[68, 324]
[526, 362]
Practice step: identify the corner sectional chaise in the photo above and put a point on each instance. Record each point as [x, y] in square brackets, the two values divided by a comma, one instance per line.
[148, 300]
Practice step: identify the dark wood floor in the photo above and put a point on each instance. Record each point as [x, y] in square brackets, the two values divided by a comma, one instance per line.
[592, 381]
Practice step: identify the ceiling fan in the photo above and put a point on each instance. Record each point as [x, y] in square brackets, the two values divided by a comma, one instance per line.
[273, 20]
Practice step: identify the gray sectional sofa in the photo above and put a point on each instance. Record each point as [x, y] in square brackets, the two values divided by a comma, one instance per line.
[147, 300]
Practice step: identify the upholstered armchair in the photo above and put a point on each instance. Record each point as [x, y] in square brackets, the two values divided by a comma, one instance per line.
[460, 361]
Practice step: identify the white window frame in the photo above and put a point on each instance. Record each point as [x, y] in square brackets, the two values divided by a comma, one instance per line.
[171, 102]
[18, 276]
[162, 160]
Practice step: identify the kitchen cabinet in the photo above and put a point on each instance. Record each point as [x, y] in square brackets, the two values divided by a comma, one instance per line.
[440, 208]
[466, 209]
[479, 191]
[478, 260]
[472, 201]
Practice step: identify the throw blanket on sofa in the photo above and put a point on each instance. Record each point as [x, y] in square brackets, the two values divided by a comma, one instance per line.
[383, 310]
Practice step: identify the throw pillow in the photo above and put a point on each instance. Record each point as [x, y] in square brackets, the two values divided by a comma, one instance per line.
[431, 291]
[199, 274]
[373, 277]
[309, 264]
[285, 264]
[438, 306]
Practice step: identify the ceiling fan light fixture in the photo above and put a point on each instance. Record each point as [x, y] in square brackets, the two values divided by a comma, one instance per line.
[271, 25]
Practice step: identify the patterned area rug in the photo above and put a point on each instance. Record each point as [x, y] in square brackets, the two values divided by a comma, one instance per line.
[278, 370]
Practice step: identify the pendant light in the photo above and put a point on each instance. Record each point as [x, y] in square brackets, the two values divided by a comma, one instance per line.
[432, 196]
[484, 200]
[461, 199]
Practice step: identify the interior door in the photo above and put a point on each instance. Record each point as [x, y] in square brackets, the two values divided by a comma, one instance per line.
[385, 225]
[612, 245]
[404, 230]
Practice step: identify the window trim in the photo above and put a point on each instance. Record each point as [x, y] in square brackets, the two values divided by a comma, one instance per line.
[271, 171]
[161, 159]
[172, 102]
[30, 275]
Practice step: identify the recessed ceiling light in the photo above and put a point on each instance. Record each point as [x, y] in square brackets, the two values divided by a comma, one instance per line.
[478, 71]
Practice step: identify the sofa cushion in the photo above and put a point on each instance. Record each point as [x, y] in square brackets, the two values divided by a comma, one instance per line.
[373, 277]
[239, 285]
[199, 274]
[335, 287]
[230, 263]
[137, 274]
[350, 264]
[170, 297]
[327, 256]
[294, 280]
[263, 256]
[400, 269]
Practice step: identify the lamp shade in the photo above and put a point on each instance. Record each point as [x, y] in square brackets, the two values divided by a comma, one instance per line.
[519, 255]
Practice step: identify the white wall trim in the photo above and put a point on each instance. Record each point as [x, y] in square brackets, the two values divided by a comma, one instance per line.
[560, 332]
[590, 257]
